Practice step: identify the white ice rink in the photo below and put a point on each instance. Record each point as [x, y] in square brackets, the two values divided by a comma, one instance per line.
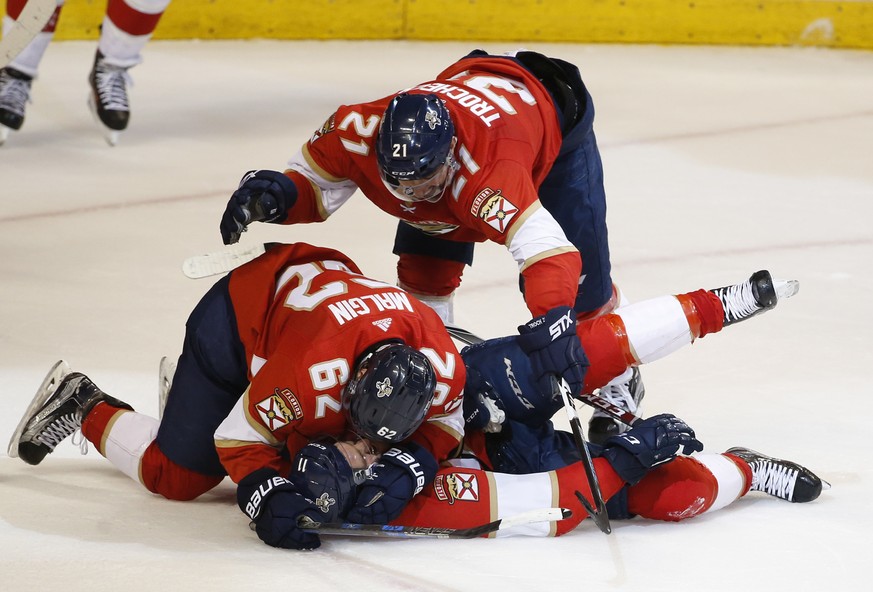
[718, 162]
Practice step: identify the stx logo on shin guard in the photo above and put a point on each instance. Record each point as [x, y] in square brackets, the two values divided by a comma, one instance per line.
[561, 325]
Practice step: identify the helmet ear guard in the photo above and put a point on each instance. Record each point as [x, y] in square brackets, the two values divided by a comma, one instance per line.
[415, 138]
[390, 393]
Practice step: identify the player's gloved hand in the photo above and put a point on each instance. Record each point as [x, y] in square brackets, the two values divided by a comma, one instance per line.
[274, 506]
[551, 343]
[482, 407]
[648, 443]
[400, 474]
[262, 196]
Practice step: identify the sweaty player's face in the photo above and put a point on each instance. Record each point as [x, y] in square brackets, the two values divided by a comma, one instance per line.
[359, 455]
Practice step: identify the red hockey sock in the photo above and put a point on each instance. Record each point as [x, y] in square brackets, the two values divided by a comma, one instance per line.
[162, 476]
[429, 275]
[572, 478]
[704, 312]
[674, 491]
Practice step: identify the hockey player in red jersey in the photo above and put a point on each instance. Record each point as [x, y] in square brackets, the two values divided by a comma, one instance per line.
[126, 28]
[268, 351]
[254, 323]
[495, 148]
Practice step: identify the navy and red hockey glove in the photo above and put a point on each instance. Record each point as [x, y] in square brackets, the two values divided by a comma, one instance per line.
[274, 506]
[400, 475]
[262, 196]
[650, 442]
[551, 343]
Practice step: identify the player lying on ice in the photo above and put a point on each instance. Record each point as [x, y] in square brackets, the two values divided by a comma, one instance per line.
[272, 360]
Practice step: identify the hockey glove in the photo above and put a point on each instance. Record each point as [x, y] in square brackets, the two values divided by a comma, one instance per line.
[262, 196]
[551, 343]
[647, 444]
[400, 475]
[274, 506]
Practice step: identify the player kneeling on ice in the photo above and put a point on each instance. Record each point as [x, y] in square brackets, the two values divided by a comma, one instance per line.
[276, 354]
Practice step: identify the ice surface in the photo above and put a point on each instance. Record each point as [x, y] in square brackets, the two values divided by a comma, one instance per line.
[718, 161]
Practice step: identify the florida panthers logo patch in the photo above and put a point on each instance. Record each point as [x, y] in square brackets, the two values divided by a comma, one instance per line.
[432, 120]
[453, 487]
[324, 502]
[384, 388]
[274, 412]
[497, 211]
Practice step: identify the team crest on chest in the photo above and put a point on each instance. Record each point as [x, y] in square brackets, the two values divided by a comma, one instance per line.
[497, 211]
[457, 487]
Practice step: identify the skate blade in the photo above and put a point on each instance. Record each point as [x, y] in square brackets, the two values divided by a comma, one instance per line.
[4, 133]
[110, 135]
[48, 387]
[166, 372]
[786, 288]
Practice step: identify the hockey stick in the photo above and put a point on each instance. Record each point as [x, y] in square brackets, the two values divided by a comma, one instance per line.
[219, 262]
[31, 21]
[591, 399]
[598, 513]
[409, 532]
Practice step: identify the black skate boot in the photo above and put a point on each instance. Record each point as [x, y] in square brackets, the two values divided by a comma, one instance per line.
[56, 412]
[108, 98]
[781, 478]
[761, 292]
[14, 95]
[627, 395]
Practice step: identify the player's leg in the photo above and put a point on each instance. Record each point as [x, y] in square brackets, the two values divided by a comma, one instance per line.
[211, 375]
[649, 330]
[174, 457]
[126, 29]
[16, 78]
[689, 486]
[430, 268]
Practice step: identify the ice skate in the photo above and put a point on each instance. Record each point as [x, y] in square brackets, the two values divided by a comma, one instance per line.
[14, 96]
[56, 412]
[781, 478]
[626, 394]
[108, 98]
[759, 293]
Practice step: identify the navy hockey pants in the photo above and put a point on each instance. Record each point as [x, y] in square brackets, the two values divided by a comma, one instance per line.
[211, 376]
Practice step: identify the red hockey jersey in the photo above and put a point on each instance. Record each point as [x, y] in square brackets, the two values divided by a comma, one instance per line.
[305, 314]
[508, 138]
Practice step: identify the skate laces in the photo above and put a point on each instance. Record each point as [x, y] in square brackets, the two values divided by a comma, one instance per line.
[61, 428]
[111, 83]
[773, 478]
[14, 93]
[738, 301]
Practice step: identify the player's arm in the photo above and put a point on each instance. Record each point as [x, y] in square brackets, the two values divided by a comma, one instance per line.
[313, 186]
[244, 444]
[548, 261]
